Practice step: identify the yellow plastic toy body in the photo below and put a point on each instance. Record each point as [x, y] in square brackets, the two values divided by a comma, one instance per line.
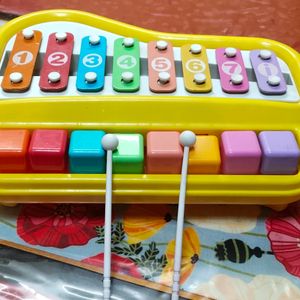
[140, 114]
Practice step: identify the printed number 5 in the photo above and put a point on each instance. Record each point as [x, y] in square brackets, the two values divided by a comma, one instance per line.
[161, 64]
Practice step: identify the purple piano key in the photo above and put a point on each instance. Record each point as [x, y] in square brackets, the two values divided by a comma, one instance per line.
[269, 77]
[280, 152]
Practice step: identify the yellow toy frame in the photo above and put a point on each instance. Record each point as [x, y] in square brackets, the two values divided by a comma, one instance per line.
[145, 113]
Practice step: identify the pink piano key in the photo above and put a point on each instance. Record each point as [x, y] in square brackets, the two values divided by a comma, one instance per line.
[240, 152]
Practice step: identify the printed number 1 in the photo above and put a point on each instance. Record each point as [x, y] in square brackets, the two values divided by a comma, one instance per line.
[22, 58]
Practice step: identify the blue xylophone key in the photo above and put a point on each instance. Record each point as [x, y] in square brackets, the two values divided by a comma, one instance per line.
[91, 65]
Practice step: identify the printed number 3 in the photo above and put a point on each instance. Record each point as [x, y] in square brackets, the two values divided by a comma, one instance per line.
[92, 60]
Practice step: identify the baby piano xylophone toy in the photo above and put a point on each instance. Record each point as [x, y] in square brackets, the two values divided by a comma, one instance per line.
[69, 77]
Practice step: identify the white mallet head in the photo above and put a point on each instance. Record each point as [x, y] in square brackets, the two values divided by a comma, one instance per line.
[187, 138]
[110, 142]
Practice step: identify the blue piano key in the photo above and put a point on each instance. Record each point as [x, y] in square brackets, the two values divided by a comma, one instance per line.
[91, 65]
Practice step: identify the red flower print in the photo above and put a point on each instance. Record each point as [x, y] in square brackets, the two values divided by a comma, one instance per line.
[59, 225]
[284, 234]
[119, 264]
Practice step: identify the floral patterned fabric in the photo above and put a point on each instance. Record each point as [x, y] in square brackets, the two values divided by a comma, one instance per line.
[229, 252]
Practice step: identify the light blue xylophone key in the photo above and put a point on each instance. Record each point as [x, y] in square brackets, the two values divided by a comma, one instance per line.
[91, 65]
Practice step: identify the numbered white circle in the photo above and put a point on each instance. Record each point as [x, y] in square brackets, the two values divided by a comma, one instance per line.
[126, 61]
[161, 64]
[267, 69]
[22, 58]
[231, 68]
[92, 60]
[195, 65]
[57, 59]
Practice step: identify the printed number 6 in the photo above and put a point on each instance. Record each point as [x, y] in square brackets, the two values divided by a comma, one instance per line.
[195, 65]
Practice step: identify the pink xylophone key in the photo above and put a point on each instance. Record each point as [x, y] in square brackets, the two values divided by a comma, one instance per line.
[232, 71]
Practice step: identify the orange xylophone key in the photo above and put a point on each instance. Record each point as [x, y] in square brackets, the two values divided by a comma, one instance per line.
[19, 71]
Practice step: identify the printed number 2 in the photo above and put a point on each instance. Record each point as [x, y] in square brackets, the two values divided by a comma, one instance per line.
[57, 58]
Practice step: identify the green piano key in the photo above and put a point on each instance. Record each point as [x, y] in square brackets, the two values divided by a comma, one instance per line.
[126, 65]
[128, 158]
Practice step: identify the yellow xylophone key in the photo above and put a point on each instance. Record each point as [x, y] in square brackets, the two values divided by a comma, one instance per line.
[19, 71]
[196, 73]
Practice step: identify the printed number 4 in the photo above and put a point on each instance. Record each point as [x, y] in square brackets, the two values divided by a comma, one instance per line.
[126, 61]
